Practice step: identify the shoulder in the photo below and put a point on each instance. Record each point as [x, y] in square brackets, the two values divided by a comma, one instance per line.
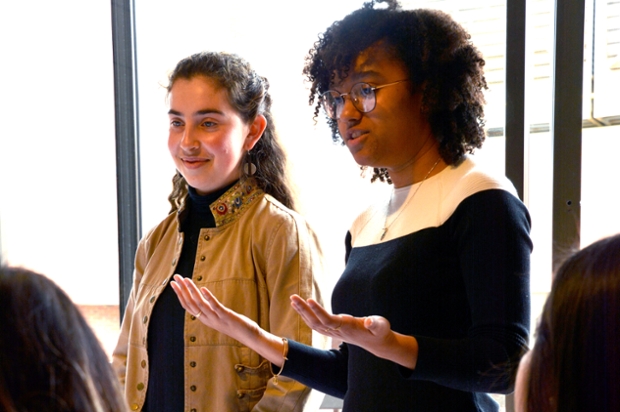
[280, 230]
[269, 207]
[168, 225]
[492, 217]
[492, 204]
[161, 237]
[468, 179]
[362, 220]
[269, 212]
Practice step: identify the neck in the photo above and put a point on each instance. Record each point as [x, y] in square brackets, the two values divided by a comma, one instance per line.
[418, 169]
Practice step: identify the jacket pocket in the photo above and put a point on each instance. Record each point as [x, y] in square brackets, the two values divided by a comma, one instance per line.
[248, 398]
[252, 383]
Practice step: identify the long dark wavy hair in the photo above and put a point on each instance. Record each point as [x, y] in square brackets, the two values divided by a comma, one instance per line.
[50, 359]
[439, 56]
[575, 361]
[248, 94]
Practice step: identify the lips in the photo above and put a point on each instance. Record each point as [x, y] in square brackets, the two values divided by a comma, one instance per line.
[193, 162]
[355, 139]
[354, 134]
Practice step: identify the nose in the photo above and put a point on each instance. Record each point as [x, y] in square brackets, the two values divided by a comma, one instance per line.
[349, 116]
[188, 140]
[349, 112]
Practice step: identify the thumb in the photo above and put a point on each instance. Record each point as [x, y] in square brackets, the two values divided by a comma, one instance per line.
[376, 324]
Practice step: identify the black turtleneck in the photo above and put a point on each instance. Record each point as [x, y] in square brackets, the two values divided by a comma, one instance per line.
[165, 391]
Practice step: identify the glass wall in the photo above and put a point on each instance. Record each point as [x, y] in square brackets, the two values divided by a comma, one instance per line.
[57, 148]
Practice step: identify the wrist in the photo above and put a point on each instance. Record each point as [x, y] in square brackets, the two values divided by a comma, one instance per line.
[284, 359]
[400, 349]
[407, 350]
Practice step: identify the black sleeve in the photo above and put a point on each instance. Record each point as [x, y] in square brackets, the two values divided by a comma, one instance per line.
[490, 231]
[323, 370]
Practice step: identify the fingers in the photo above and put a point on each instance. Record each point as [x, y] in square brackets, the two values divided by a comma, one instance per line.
[316, 316]
[306, 313]
[190, 296]
[209, 311]
[198, 301]
[183, 293]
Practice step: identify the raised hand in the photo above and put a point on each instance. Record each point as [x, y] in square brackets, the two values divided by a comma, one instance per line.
[207, 309]
[372, 333]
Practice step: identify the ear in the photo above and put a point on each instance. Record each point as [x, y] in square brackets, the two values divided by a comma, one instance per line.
[255, 131]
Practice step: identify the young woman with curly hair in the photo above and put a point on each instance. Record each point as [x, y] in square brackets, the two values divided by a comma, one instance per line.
[433, 304]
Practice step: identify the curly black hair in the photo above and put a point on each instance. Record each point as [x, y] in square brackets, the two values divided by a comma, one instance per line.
[440, 59]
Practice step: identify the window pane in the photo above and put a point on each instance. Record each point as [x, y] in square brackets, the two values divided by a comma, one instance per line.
[606, 56]
[57, 151]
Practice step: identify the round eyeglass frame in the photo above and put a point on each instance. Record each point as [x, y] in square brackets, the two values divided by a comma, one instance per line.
[363, 103]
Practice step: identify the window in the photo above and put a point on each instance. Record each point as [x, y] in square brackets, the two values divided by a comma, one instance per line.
[57, 152]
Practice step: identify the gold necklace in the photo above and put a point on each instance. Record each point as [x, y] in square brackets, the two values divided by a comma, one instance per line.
[385, 225]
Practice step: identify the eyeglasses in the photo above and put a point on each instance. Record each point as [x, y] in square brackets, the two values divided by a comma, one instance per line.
[362, 96]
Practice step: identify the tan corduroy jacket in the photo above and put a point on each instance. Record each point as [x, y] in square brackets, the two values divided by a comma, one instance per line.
[258, 255]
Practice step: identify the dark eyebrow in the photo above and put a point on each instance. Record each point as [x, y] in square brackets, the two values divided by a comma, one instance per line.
[366, 73]
[358, 77]
[198, 113]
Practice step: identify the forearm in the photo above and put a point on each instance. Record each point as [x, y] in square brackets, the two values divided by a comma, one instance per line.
[213, 314]
[268, 345]
[323, 370]
[250, 334]
[400, 349]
